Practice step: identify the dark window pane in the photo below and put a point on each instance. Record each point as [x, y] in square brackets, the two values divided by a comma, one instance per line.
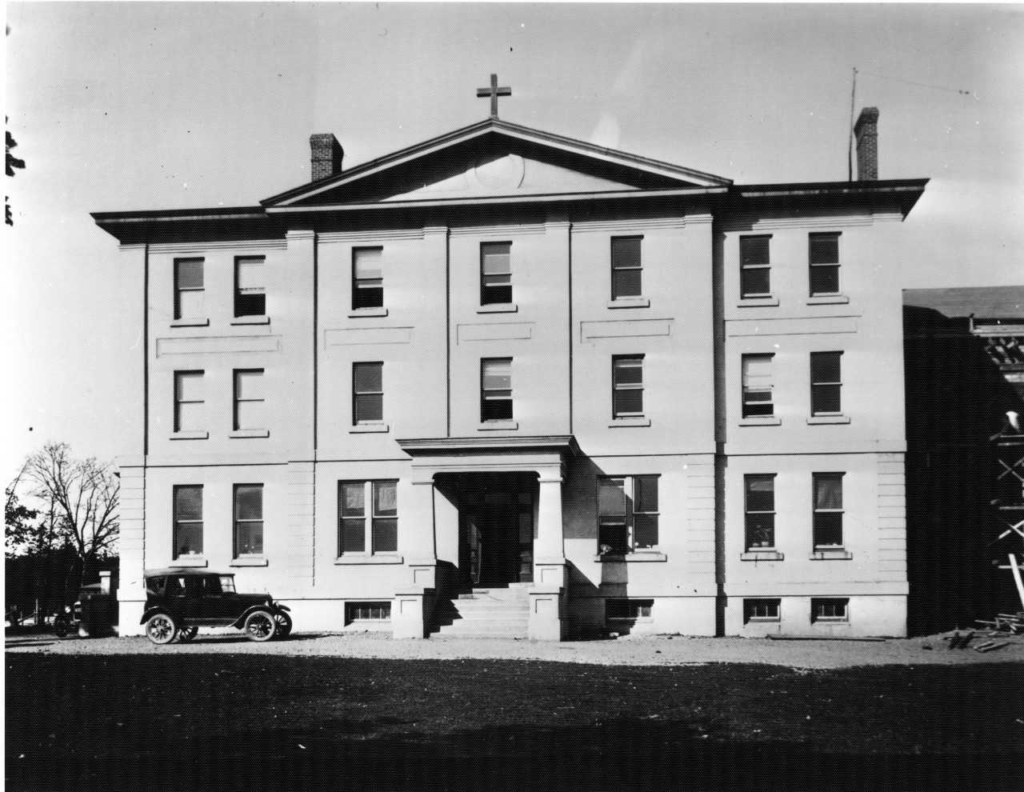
[369, 408]
[385, 535]
[189, 274]
[626, 283]
[628, 371]
[611, 497]
[629, 402]
[613, 535]
[825, 399]
[824, 248]
[826, 367]
[828, 491]
[368, 296]
[250, 304]
[754, 250]
[755, 281]
[188, 539]
[626, 252]
[760, 493]
[249, 502]
[646, 494]
[496, 295]
[352, 497]
[760, 530]
[368, 377]
[353, 536]
[645, 530]
[188, 503]
[496, 410]
[824, 280]
[828, 529]
[249, 536]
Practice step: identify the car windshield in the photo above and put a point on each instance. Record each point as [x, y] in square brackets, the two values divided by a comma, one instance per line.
[227, 583]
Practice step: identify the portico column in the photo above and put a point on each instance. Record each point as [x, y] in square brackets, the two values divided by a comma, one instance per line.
[548, 547]
[418, 541]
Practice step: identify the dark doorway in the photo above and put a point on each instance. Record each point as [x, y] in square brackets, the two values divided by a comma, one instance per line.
[496, 529]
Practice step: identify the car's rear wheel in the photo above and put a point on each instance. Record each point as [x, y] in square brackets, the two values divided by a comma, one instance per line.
[284, 624]
[187, 633]
[260, 626]
[161, 628]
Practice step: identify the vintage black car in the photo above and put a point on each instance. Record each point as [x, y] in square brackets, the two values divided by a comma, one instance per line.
[180, 601]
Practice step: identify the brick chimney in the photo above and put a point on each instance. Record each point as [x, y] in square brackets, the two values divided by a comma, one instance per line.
[866, 132]
[326, 155]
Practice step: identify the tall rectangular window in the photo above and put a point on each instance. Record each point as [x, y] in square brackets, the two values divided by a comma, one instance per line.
[627, 267]
[367, 393]
[189, 405]
[367, 278]
[755, 266]
[188, 520]
[250, 286]
[188, 289]
[759, 511]
[828, 511]
[248, 520]
[368, 516]
[627, 386]
[627, 513]
[496, 389]
[826, 383]
[250, 400]
[495, 273]
[823, 254]
[757, 386]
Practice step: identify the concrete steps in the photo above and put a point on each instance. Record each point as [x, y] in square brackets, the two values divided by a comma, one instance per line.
[486, 613]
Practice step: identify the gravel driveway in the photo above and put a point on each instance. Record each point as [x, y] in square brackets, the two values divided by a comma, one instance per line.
[628, 650]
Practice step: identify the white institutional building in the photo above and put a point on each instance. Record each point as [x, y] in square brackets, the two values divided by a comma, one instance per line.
[505, 382]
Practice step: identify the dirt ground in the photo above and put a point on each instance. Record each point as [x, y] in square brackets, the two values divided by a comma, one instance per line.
[363, 712]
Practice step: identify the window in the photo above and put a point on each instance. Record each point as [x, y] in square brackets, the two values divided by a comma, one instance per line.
[627, 386]
[828, 511]
[495, 273]
[250, 286]
[188, 521]
[367, 611]
[830, 610]
[374, 527]
[757, 386]
[755, 267]
[823, 254]
[189, 407]
[627, 509]
[760, 610]
[496, 389]
[248, 520]
[367, 278]
[627, 267]
[367, 393]
[250, 401]
[188, 289]
[759, 511]
[826, 383]
[631, 609]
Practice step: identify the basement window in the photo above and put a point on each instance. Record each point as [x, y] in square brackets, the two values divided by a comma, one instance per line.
[628, 609]
[830, 610]
[367, 612]
[761, 610]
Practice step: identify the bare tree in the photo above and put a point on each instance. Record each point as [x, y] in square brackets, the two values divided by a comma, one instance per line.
[83, 495]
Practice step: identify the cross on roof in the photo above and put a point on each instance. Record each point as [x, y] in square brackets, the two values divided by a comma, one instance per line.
[494, 92]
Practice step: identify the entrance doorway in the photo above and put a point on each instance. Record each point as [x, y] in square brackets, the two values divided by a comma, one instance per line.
[496, 529]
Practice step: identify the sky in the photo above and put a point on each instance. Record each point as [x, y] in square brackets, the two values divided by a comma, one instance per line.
[144, 105]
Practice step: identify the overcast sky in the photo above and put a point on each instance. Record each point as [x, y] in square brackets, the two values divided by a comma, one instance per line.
[156, 106]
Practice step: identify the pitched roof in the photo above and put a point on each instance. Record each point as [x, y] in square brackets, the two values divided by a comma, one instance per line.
[982, 302]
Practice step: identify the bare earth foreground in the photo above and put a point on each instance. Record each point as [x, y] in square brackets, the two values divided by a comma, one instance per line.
[358, 712]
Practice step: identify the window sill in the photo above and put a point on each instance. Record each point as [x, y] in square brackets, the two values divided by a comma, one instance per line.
[828, 299]
[638, 557]
[249, 433]
[498, 308]
[189, 561]
[828, 419]
[356, 313]
[251, 320]
[762, 555]
[758, 302]
[498, 426]
[624, 422]
[368, 428]
[190, 323]
[768, 420]
[249, 561]
[194, 435]
[630, 302]
[364, 559]
[831, 555]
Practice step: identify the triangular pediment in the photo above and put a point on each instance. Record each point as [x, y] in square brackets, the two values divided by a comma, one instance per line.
[493, 159]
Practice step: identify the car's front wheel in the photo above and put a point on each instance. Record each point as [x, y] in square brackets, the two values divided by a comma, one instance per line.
[260, 626]
[284, 624]
[161, 628]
